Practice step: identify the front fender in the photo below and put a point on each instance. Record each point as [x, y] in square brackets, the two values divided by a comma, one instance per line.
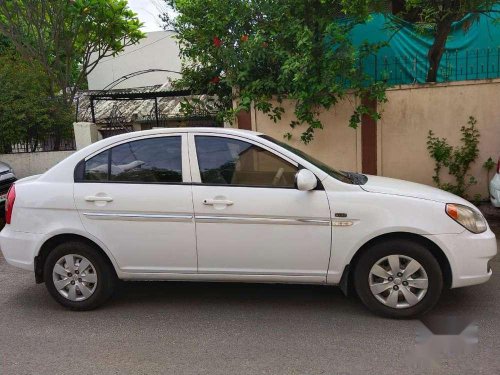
[373, 215]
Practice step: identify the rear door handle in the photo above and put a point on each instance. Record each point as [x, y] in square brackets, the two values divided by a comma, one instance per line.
[213, 202]
[92, 198]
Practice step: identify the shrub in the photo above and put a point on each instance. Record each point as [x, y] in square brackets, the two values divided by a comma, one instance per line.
[456, 159]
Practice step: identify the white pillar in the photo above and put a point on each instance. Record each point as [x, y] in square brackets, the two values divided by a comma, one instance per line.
[85, 134]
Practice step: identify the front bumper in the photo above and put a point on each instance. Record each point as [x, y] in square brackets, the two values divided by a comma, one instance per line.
[19, 248]
[469, 255]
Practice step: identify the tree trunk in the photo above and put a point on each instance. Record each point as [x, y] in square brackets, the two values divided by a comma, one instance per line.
[437, 49]
[398, 6]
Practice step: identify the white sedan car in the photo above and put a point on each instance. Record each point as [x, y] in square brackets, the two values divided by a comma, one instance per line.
[495, 188]
[230, 205]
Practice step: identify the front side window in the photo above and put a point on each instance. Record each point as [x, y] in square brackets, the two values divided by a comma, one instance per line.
[154, 160]
[227, 161]
[347, 177]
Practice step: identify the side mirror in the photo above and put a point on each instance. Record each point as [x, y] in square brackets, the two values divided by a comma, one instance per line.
[305, 180]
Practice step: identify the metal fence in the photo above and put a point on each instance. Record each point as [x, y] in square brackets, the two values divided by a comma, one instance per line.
[48, 143]
[194, 119]
[454, 66]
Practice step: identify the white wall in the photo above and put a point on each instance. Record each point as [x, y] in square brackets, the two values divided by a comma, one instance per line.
[29, 164]
[159, 50]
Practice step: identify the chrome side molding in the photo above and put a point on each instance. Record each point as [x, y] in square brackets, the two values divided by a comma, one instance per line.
[229, 219]
[261, 220]
[138, 217]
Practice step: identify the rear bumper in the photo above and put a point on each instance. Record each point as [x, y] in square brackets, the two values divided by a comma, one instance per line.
[19, 248]
[469, 255]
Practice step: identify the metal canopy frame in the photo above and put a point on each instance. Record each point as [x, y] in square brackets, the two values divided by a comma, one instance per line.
[125, 96]
[107, 94]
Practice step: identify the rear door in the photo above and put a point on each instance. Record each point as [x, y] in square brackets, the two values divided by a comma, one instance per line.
[136, 198]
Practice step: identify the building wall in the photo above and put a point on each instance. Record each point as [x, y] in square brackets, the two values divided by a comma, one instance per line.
[28, 164]
[336, 144]
[158, 50]
[407, 117]
[412, 111]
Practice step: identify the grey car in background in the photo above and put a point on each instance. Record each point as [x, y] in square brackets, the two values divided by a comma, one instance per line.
[7, 178]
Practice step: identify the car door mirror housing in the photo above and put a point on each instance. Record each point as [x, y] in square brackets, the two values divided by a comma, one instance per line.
[305, 180]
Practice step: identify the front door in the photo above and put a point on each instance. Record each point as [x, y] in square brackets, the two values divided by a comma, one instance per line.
[136, 198]
[250, 218]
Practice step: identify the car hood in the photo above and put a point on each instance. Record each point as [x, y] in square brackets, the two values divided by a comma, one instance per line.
[5, 173]
[4, 167]
[385, 185]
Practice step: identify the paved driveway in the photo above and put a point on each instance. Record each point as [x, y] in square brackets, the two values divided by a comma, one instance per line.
[184, 328]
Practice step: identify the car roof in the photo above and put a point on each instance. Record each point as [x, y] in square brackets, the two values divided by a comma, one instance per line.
[159, 131]
[196, 130]
[60, 171]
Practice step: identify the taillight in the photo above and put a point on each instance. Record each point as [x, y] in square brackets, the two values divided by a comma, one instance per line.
[9, 204]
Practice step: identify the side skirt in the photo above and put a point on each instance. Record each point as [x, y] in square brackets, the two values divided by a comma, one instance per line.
[266, 279]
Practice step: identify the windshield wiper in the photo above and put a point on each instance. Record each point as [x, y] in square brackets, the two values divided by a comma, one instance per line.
[356, 178]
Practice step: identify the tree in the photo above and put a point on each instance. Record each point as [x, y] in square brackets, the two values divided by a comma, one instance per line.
[436, 18]
[27, 112]
[264, 51]
[61, 35]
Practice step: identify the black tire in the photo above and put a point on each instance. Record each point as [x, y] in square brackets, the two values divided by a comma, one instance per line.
[106, 277]
[405, 248]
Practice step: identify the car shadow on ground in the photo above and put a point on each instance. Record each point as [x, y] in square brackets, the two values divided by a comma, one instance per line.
[301, 298]
[164, 295]
[238, 299]
[231, 294]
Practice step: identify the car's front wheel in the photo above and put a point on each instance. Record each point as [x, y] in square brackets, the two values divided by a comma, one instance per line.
[398, 279]
[78, 276]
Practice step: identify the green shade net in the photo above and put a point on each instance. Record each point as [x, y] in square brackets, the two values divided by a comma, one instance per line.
[472, 50]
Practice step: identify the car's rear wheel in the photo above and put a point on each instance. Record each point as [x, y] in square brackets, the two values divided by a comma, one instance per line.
[398, 279]
[78, 277]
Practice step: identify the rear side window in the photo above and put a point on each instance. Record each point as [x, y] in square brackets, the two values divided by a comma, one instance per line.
[154, 160]
[228, 161]
[150, 160]
[96, 168]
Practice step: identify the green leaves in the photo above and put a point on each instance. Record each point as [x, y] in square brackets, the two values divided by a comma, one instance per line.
[63, 34]
[456, 159]
[489, 165]
[265, 50]
[58, 42]
[26, 110]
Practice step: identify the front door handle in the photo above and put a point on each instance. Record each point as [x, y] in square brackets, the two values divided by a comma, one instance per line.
[216, 202]
[92, 198]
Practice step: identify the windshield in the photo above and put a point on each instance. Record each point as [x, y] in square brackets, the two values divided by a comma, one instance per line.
[339, 175]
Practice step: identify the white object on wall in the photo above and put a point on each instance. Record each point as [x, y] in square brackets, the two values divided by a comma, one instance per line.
[85, 134]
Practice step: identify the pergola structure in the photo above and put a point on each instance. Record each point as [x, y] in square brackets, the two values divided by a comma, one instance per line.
[126, 96]
[160, 105]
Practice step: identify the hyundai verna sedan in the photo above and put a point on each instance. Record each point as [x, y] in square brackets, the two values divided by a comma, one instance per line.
[232, 205]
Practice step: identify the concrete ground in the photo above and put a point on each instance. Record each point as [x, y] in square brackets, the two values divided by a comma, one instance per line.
[184, 328]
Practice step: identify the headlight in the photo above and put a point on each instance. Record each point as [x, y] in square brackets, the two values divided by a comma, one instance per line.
[467, 217]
